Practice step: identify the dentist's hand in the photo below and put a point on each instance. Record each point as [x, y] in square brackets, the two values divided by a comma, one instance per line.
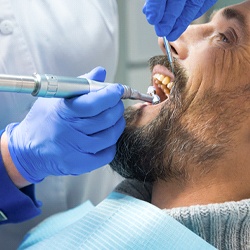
[68, 136]
[172, 17]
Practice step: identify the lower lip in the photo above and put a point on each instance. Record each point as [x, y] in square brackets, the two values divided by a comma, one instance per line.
[141, 105]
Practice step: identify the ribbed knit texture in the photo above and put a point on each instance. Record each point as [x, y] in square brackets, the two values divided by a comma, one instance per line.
[225, 226]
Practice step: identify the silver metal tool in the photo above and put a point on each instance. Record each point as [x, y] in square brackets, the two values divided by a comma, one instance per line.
[169, 53]
[152, 91]
[60, 86]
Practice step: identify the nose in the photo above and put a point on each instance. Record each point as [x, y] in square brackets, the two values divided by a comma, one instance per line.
[181, 47]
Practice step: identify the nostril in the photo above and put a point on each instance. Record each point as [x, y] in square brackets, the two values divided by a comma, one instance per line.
[174, 51]
[179, 50]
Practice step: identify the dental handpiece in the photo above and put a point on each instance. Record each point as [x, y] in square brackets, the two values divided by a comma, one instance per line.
[46, 85]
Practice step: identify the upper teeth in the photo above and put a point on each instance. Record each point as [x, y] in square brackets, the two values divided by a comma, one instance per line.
[170, 85]
[163, 79]
[163, 82]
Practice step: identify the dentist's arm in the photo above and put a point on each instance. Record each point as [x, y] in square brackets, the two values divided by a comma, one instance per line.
[62, 137]
[68, 136]
[171, 17]
[9, 166]
[16, 205]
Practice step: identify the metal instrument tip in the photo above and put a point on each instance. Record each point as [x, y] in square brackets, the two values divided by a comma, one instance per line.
[169, 53]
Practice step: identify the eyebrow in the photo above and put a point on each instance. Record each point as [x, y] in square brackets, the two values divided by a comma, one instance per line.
[230, 13]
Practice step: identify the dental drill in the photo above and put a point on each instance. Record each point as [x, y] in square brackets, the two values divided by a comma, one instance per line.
[46, 85]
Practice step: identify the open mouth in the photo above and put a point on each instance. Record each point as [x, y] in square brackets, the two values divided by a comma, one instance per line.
[163, 81]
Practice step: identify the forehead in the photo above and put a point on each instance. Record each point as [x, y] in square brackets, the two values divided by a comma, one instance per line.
[239, 13]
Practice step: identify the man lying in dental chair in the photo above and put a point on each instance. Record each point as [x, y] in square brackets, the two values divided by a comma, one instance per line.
[187, 158]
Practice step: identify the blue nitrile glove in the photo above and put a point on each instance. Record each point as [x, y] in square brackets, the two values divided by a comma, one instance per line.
[172, 17]
[68, 136]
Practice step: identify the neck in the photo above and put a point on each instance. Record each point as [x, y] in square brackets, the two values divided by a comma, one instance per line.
[229, 180]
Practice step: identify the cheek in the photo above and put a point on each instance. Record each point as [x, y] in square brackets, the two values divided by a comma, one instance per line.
[212, 67]
[199, 68]
[149, 112]
[198, 60]
[226, 67]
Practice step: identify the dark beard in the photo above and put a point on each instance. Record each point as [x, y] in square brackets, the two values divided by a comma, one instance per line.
[141, 151]
[182, 134]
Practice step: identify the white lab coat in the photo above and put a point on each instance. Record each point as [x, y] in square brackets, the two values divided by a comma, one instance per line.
[61, 37]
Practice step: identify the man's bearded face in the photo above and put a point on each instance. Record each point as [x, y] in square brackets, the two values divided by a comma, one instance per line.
[195, 127]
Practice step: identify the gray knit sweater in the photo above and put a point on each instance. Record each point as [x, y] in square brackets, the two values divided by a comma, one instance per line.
[225, 225]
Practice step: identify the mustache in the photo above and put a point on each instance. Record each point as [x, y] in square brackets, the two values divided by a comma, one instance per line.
[158, 59]
[163, 60]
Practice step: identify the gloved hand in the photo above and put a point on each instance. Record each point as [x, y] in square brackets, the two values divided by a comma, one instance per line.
[68, 136]
[172, 17]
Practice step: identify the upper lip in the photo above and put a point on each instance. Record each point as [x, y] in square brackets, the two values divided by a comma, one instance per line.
[160, 69]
